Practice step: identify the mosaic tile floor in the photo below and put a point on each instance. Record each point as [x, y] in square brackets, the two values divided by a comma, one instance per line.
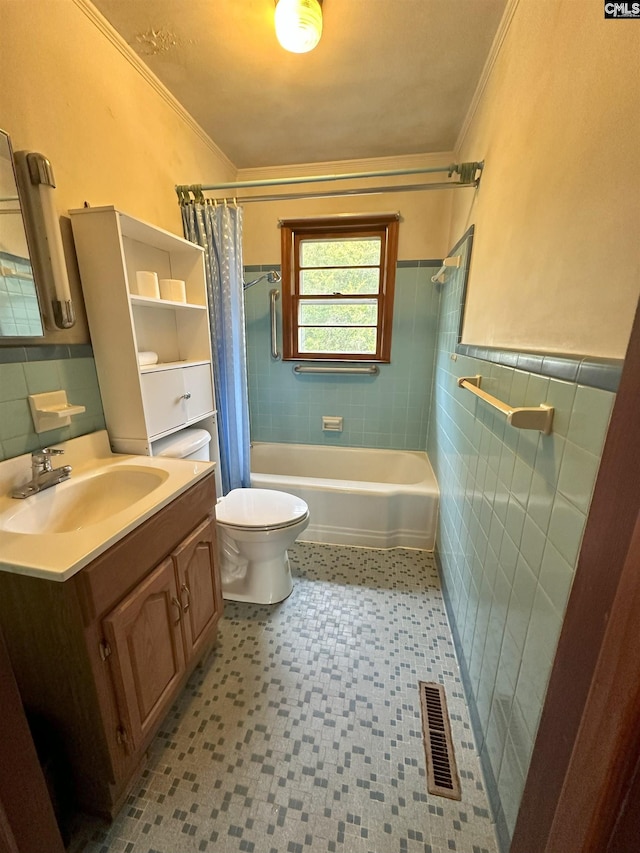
[302, 732]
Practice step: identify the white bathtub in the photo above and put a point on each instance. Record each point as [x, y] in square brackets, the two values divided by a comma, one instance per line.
[356, 496]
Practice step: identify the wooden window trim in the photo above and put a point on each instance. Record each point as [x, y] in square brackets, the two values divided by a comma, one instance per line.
[292, 231]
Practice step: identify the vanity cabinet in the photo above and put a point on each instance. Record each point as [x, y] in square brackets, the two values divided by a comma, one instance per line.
[143, 638]
[156, 631]
[199, 589]
[101, 657]
[144, 403]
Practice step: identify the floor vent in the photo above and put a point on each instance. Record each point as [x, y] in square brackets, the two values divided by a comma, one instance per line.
[442, 773]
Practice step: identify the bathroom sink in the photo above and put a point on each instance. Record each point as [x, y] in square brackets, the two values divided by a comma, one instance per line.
[55, 533]
[82, 502]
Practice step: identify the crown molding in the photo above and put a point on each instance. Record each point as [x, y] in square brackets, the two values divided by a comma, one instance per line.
[103, 25]
[494, 52]
[330, 167]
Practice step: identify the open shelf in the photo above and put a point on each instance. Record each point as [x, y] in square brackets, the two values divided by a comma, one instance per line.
[170, 365]
[141, 402]
[152, 302]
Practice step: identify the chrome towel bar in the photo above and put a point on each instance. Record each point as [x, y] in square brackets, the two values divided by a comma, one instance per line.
[524, 417]
[371, 370]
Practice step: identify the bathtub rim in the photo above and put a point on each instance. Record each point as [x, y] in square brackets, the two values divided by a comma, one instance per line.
[428, 484]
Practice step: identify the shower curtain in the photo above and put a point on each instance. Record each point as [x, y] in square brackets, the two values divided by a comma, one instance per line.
[218, 229]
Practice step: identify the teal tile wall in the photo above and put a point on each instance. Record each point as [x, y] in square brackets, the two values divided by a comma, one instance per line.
[18, 379]
[388, 410]
[512, 515]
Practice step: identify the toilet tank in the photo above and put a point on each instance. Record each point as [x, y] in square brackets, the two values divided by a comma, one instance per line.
[186, 444]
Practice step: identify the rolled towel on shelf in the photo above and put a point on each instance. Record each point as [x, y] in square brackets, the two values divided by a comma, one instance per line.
[147, 357]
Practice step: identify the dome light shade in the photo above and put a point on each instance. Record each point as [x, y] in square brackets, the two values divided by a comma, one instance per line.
[298, 24]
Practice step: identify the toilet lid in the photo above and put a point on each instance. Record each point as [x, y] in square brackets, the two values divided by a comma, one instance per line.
[260, 508]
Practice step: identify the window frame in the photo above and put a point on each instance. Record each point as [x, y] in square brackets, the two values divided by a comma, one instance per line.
[293, 232]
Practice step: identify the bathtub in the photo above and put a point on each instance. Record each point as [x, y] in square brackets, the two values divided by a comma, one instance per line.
[356, 496]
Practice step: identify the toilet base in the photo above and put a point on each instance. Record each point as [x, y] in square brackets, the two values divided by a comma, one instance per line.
[257, 581]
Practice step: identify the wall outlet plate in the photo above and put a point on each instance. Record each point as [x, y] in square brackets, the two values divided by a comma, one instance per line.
[331, 423]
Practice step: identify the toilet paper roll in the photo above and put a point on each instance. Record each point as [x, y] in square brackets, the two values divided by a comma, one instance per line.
[147, 284]
[173, 289]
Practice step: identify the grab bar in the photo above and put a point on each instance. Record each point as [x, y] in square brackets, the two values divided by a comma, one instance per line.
[525, 417]
[371, 370]
[273, 296]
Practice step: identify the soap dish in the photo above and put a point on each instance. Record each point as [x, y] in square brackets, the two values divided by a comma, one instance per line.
[52, 410]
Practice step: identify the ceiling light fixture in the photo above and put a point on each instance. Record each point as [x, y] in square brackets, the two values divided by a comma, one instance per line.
[298, 24]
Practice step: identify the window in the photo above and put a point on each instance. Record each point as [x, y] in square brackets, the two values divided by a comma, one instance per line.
[338, 276]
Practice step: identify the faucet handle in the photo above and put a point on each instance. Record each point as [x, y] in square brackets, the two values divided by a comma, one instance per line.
[41, 459]
[46, 452]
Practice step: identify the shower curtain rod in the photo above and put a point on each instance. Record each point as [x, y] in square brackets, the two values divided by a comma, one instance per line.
[467, 172]
[183, 193]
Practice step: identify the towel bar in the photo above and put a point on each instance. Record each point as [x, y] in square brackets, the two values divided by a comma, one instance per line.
[454, 261]
[371, 370]
[524, 417]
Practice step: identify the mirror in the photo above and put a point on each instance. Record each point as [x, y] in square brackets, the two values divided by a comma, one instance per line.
[20, 314]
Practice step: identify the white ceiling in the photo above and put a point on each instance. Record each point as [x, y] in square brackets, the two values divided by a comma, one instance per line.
[389, 77]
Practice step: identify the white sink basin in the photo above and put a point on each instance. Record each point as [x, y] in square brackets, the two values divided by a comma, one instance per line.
[55, 533]
[82, 502]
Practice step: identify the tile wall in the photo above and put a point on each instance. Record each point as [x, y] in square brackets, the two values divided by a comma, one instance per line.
[513, 510]
[388, 410]
[33, 370]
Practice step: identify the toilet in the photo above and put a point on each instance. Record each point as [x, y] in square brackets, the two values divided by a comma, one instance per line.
[255, 528]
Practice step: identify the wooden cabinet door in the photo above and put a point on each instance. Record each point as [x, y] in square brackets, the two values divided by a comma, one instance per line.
[147, 654]
[200, 589]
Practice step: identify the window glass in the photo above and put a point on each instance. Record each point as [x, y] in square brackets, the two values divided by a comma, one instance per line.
[339, 281]
[335, 340]
[352, 312]
[347, 252]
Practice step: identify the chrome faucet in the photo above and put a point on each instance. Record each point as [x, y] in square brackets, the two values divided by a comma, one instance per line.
[43, 474]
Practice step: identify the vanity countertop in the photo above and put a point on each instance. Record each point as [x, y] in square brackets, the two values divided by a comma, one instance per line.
[55, 533]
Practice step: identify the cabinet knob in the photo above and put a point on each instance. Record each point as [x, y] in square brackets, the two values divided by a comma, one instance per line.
[187, 395]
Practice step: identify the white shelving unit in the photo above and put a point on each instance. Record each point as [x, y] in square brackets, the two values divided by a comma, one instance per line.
[143, 404]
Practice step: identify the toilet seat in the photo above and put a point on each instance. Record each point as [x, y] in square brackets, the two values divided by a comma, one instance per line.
[260, 509]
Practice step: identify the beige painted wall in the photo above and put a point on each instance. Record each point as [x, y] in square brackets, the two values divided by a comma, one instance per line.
[556, 263]
[425, 215]
[556, 255]
[70, 91]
